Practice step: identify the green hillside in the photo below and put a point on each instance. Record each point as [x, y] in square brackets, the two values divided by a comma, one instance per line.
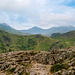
[67, 38]
[13, 42]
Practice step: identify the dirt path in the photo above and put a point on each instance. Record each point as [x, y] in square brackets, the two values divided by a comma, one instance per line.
[40, 69]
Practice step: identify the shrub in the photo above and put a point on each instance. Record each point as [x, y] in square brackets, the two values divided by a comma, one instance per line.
[72, 57]
[20, 73]
[27, 73]
[60, 61]
[73, 64]
[12, 70]
[58, 67]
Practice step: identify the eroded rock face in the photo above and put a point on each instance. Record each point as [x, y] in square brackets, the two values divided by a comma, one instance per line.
[53, 57]
[65, 72]
[37, 63]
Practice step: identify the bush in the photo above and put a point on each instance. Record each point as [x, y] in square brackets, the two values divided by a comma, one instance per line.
[58, 67]
[73, 64]
[72, 57]
[12, 70]
[27, 73]
[20, 73]
[60, 61]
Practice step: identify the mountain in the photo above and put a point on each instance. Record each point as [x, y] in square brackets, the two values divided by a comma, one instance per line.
[9, 29]
[14, 42]
[34, 30]
[37, 30]
[61, 29]
[6, 27]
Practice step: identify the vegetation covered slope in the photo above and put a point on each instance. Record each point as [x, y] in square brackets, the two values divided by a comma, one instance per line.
[13, 42]
[68, 38]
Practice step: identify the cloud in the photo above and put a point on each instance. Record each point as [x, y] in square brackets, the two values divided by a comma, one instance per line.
[53, 19]
[24, 14]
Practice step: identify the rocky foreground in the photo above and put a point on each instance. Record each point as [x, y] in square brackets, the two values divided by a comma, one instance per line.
[56, 62]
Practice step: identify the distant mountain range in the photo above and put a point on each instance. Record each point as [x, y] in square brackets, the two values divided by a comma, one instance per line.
[37, 30]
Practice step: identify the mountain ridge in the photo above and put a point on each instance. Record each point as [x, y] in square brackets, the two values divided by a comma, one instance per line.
[61, 29]
[36, 30]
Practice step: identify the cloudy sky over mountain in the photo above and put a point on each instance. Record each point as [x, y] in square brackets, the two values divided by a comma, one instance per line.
[24, 14]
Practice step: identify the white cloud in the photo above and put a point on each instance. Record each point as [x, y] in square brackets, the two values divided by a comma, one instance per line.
[56, 20]
[24, 14]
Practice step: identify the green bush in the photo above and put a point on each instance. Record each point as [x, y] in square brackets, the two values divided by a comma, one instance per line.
[27, 73]
[12, 70]
[60, 61]
[58, 67]
[20, 73]
[72, 57]
[73, 64]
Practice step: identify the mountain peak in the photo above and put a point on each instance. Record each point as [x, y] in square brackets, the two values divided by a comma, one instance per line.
[4, 24]
[36, 27]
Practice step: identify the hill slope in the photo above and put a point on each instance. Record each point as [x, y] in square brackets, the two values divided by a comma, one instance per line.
[13, 42]
[68, 38]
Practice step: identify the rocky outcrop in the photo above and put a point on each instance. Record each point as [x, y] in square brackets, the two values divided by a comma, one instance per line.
[38, 63]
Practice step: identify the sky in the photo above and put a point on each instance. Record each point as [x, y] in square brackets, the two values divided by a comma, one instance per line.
[25, 14]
